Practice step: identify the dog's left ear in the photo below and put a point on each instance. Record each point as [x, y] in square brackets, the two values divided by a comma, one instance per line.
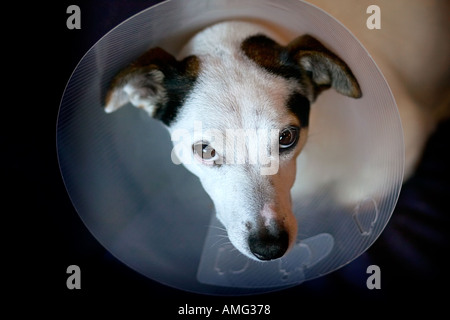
[155, 82]
[323, 67]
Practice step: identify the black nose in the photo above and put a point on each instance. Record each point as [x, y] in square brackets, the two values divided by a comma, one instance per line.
[267, 245]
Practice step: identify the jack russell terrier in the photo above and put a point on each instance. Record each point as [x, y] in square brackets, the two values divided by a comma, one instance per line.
[236, 78]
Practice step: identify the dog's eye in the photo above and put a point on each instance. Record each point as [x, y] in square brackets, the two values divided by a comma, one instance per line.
[204, 151]
[288, 137]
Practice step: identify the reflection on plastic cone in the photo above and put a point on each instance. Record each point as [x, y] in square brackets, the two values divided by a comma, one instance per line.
[224, 266]
[366, 215]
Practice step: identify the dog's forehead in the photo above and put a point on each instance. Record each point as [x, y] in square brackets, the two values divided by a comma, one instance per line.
[234, 93]
[232, 90]
[239, 86]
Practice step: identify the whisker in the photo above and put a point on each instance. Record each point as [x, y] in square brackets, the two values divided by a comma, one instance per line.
[221, 241]
[234, 249]
[218, 228]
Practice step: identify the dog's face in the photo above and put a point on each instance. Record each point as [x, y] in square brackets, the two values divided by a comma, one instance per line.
[239, 119]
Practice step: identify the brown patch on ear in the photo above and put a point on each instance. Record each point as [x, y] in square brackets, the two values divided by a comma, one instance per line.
[264, 51]
[324, 67]
[190, 66]
[155, 56]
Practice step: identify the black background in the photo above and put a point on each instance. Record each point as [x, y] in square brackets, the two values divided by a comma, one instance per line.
[46, 235]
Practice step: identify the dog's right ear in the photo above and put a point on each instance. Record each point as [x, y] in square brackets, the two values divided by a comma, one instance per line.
[153, 82]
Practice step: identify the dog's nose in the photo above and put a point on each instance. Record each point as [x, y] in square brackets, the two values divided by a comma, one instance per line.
[268, 245]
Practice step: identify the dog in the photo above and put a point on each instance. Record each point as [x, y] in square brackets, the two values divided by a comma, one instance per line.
[241, 78]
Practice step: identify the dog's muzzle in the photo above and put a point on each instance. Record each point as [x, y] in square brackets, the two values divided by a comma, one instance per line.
[268, 245]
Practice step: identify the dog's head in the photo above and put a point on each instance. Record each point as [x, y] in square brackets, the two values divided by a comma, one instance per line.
[238, 115]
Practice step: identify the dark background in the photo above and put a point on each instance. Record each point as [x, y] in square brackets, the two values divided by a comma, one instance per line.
[46, 234]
